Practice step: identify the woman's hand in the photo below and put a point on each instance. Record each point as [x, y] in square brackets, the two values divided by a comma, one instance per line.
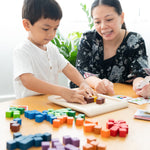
[104, 86]
[144, 92]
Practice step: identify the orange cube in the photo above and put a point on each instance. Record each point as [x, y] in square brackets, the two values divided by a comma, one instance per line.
[61, 119]
[56, 123]
[95, 144]
[101, 146]
[88, 127]
[79, 121]
[64, 119]
[97, 129]
[105, 133]
[70, 120]
[87, 147]
[90, 139]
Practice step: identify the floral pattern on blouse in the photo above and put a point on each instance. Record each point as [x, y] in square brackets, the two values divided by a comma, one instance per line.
[127, 64]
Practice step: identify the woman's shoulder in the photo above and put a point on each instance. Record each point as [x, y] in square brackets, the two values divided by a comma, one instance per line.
[133, 40]
[134, 35]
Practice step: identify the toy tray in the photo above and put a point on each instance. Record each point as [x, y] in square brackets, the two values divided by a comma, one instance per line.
[92, 109]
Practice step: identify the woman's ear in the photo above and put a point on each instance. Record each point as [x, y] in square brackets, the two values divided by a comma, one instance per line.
[122, 18]
[26, 24]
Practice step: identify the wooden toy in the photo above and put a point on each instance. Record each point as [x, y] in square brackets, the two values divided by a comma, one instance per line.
[94, 144]
[122, 132]
[89, 99]
[56, 123]
[87, 147]
[75, 141]
[114, 131]
[71, 147]
[9, 114]
[39, 118]
[45, 145]
[101, 146]
[19, 120]
[100, 100]
[97, 129]
[88, 127]
[79, 121]
[15, 127]
[111, 104]
[90, 139]
[70, 120]
[105, 133]
[66, 139]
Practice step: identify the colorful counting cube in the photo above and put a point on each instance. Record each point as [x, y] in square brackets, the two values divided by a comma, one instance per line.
[9, 114]
[97, 129]
[105, 133]
[79, 121]
[100, 100]
[66, 139]
[70, 120]
[75, 141]
[56, 123]
[89, 99]
[39, 118]
[45, 145]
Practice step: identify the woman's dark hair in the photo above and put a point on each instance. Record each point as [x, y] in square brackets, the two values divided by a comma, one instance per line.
[33, 10]
[112, 3]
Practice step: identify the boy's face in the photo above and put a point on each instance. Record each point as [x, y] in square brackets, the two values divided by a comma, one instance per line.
[42, 31]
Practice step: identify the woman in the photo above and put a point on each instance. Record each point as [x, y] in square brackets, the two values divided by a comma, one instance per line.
[110, 53]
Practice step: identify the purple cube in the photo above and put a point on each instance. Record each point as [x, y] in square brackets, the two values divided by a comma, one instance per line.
[66, 139]
[54, 140]
[75, 141]
[45, 145]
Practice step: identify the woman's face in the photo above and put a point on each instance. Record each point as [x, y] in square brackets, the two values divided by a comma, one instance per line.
[107, 22]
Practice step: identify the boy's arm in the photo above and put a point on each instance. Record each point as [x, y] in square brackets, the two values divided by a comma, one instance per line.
[40, 86]
[73, 74]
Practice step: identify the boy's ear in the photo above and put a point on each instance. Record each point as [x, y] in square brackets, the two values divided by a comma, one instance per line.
[26, 24]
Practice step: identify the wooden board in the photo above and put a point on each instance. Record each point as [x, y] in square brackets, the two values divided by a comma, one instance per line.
[92, 109]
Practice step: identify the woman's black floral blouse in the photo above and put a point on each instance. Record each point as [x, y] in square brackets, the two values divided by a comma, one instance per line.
[127, 64]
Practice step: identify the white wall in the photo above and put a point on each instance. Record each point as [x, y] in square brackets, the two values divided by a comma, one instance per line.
[74, 19]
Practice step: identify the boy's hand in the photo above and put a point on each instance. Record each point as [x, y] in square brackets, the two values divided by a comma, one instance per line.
[104, 86]
[75, 95]
[84, 86]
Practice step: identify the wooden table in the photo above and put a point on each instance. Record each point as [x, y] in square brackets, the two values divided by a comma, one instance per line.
[137, 139]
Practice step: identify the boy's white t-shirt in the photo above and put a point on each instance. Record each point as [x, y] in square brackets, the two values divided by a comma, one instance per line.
[44, 65]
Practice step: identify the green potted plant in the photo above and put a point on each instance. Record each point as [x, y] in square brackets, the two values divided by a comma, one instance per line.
[68, 47]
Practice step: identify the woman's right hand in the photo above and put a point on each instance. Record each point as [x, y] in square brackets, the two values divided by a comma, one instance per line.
[104, 86]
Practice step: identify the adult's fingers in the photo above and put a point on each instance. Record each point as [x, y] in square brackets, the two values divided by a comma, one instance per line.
[109, 86]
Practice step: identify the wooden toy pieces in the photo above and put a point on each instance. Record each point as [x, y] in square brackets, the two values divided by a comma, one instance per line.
[93, 144]
[15, 111]
[98, 100]
[117, 127]
[15, 125]
[113, 128]
[26, 142]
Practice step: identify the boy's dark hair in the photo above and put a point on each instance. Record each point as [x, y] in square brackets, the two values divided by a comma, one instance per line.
[33, 10]
[112, 3]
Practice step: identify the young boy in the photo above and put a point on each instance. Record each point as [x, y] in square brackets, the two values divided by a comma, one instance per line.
[37, 61]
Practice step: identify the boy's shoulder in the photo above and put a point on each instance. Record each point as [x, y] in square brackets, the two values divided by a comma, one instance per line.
[24, 45]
